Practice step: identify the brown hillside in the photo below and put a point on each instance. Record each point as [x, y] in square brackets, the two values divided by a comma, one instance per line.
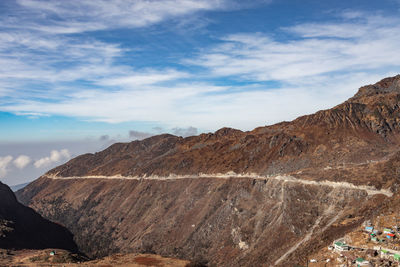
[291, 188]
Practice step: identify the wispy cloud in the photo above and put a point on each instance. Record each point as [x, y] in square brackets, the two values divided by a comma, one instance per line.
[316, 49]
[45, 67]
[47, 71]
[145, 77]
[47, 63]
[66, 17]
[149, 103]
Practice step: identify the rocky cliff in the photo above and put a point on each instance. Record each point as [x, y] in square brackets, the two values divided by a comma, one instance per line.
[264, 197]
[21, 227]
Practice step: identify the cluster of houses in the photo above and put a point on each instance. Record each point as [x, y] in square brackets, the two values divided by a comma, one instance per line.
[343, 248]
[371, 245]
[385, 239]
[387, 234]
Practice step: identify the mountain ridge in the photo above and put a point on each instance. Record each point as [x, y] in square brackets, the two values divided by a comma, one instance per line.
[330, 160]
[364, 119]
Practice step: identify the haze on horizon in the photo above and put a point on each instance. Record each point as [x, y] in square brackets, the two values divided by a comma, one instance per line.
[78, 76]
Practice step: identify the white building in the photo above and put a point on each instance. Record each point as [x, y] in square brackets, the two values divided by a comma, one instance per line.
[340, 246]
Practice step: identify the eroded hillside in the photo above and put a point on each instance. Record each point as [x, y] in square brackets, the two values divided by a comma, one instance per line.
[240, 221]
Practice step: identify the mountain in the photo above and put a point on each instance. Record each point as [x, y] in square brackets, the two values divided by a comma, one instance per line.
[22, 228]
[270, 196]
[17, 187]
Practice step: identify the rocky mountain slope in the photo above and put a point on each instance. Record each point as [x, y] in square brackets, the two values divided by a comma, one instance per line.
[21, 227]
[264, 197]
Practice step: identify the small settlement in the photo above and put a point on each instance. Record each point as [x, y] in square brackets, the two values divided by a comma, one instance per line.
[370, 245]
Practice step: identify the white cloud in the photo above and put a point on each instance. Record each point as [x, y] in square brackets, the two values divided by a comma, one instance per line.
[4, 162]
[318, 49]
[22, 161]
[210, 107]
[34, 45]
[143, 78]
[55, 156]
[150, 103]
[25, 60]
[318, 66]
[86, 15]
[322, 65]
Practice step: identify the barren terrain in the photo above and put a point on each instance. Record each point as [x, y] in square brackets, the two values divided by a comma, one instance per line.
[271, 196]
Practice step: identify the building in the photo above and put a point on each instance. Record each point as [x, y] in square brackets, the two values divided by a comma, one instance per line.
[387, 231]
[362, 262]
[369, 229]
[340, 246]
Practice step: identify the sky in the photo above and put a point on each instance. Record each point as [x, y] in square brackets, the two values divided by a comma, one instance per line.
[79, 75]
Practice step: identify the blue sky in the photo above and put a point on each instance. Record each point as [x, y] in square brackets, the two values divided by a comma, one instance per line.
[79, 75]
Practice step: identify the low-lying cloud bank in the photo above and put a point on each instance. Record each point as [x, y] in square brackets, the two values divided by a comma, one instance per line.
[22, 161]
[4, 163]
[55, 156]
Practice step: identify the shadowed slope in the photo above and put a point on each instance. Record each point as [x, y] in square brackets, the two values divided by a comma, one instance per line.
[21, 227]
